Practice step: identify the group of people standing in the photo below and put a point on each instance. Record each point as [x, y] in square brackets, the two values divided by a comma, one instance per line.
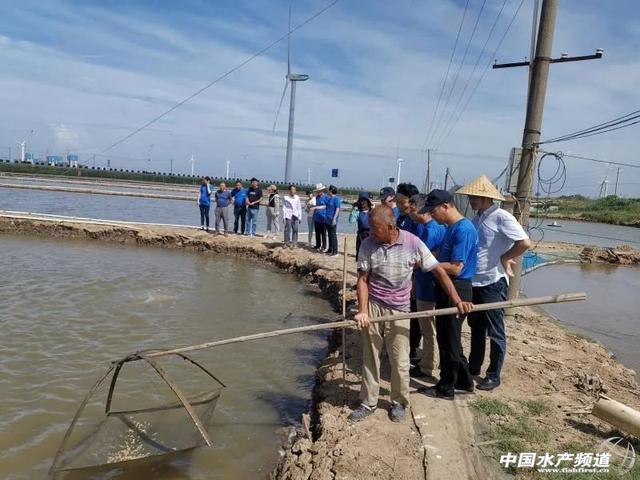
[322, 209]
[418, 252]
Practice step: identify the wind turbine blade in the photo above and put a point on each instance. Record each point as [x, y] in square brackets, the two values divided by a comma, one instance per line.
[289, 45]
[284, 92]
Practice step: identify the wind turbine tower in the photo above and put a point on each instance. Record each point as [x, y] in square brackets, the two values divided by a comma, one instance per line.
[193, 164]
[290, 78]
[23, 151]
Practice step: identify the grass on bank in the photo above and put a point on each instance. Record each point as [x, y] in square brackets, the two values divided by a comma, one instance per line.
[612, 209]
[514, 429]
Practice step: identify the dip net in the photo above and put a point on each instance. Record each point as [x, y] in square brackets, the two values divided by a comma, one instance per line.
[145, 405]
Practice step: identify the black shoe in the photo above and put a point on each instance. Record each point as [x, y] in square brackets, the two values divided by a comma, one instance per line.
[489, 384]
[466, 388]
[417, 372]
[435, 392]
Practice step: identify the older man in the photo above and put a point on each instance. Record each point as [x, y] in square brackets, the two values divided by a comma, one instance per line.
[501, 239]
[386, 262]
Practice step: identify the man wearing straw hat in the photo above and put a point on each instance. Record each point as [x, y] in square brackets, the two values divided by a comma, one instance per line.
[385, 269]
[501, 239]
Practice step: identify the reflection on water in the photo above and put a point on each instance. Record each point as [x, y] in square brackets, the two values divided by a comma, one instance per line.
[70, 308]
[610, 314]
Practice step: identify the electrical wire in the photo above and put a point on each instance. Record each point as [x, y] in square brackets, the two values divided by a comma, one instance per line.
[597, 160]
[457, 75]
[618, 123]
[446, 76]
[221, 77]
[549, 185]
[475, 88]
[475, 67]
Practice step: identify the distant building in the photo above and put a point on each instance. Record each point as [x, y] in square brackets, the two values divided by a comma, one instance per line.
[55, 160]
[72, 160]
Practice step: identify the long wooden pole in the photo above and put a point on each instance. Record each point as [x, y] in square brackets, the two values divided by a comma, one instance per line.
[344, 316]
[520, 302]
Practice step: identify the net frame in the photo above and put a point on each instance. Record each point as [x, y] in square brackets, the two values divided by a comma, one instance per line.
[114, 371]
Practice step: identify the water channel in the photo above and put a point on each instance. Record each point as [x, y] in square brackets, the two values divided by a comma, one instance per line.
[71, 307]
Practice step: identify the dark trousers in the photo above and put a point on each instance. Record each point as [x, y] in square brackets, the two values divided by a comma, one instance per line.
[415, 335]
[204, 215]
[239, 214]
[333, 238]
[489, 323]
[321, 235]
[454, 369]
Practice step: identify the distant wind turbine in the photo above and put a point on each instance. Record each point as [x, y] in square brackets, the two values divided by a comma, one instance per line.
[293, 78]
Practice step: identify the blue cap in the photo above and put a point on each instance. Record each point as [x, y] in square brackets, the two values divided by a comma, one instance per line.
[387, 192]
[435, 198]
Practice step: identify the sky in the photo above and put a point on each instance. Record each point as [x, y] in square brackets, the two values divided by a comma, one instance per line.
[78, 76]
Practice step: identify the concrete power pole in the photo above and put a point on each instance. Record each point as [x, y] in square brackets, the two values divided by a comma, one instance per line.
[427, 180]
[533, 124]
[615, 192]
[446, 178]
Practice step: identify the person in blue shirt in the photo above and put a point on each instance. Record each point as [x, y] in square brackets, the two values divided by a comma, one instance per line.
[432, 235]
[223, 199]
[388, 198]
[458, 257]
[204, 202]
[404, 222]
[331, 214]
[239, 198]
[318, 217]
[364, 206]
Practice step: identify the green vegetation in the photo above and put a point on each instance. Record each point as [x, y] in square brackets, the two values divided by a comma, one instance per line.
[612, 209]
[516, 431]
[139, 176]
[491, 406]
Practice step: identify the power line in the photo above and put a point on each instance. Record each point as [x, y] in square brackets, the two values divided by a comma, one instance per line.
[475, 66]
[464, 57]
[475, 88]
[221, 77]
[446, 76]
[593, 236]
[596, 160]
[618, 123]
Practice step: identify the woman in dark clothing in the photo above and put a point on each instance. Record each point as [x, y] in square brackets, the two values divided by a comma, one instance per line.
[364, 207]
[204, 202]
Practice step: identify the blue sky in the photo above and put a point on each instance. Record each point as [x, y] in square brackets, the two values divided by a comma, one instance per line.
[83, 74]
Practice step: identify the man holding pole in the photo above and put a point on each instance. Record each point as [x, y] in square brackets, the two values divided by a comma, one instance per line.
[386, 262]
[501, 239]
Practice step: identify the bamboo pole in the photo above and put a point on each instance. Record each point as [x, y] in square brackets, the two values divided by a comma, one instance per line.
[520, 302]
[344, 317]
[617, 414]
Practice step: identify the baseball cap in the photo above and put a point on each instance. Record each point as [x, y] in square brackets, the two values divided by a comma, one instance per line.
[387, 192]
[435, 198]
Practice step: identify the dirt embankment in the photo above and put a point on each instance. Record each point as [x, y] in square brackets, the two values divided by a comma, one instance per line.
[544, 363]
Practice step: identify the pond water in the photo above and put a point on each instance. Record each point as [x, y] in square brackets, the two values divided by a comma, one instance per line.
[71, 307]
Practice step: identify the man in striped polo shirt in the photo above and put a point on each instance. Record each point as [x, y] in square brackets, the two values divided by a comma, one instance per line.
[386, 262]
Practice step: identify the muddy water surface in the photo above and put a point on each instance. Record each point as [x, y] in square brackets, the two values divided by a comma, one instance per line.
[69, 308]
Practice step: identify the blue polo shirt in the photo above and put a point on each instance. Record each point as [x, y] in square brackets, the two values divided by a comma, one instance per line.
[460, 244]
[240, 196]
[223, 198]
[404, 222]
[432, 235]
[333, 204]
[319, 215]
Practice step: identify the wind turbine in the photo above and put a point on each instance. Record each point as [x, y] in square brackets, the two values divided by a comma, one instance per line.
[293, 78]
[193, 164]
[23, 150]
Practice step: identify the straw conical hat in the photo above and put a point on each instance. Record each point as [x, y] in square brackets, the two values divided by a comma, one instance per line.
[481, 187]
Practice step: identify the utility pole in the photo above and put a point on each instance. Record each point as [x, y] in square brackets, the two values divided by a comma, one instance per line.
[399, 166]
[171, 166]
[446, 178]
[427, 180]
[539, 75]
[615, 192]
[227, 175]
